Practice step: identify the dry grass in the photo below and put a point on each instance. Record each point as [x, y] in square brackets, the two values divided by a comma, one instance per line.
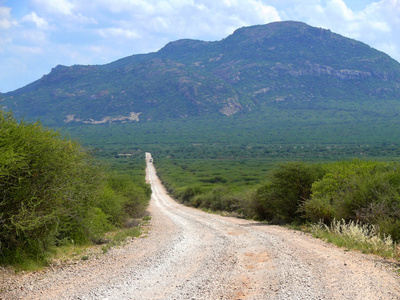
[353, 235]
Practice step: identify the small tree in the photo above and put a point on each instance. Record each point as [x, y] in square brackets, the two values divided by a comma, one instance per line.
[48, 187]
[287, 188]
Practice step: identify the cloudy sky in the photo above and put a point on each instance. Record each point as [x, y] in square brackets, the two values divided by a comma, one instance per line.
[37, 35]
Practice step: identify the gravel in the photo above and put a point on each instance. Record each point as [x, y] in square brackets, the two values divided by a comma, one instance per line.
[189, 254]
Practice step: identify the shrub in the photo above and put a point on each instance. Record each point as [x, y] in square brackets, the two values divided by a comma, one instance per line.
[43, 177]
[133, 198]
[51, 191]
[188, 193]
[318, 209]
[112, 204]
[387, 217]
[358, 190]
[288, 186]
[216, 199]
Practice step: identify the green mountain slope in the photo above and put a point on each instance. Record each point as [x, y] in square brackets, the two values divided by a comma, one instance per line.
[288, 65]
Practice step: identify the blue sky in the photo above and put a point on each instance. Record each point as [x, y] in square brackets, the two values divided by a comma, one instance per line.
[37, 35]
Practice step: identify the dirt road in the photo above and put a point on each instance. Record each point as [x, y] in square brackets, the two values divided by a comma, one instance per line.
[189, 254]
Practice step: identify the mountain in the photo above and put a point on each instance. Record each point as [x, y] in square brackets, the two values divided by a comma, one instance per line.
[283, 64]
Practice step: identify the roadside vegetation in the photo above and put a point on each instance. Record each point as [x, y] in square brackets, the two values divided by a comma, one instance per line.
[355, 235]
[53, 193]
[352, 203]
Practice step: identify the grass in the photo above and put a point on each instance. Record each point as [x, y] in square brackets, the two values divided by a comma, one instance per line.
[118, 237]
[69, 251]
[353, 235]
[30, 265]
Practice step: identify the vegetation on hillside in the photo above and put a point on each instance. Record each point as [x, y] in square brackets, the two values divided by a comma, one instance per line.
[52, 192]
[289, 63]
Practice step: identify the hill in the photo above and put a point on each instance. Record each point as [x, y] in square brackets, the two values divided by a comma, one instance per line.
[282, 65]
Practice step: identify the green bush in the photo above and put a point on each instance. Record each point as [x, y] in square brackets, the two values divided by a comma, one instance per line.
[288, 186]
[318, 209]
[112, 204]
[217, 199]
[51, 191]
[358, 190]
[133, 198]
[389, 225]
[188, 193]
[43, 176]
[264, 208]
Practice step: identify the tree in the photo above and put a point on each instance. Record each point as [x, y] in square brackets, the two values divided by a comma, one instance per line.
[48, 188]
[288, 186]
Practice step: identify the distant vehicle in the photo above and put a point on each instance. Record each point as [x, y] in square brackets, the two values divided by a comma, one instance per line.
[151, 160]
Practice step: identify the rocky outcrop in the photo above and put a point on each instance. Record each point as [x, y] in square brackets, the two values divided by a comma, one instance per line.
[132, 117]
[231, 107]
[320, 70]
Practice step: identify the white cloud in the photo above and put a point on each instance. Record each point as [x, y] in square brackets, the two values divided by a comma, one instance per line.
[207, 19]
[147, 7]
[63, 7]
[118, 33]
[340, 9]
[6, 21]
[383, 32]
[38, 21]
[65, 13]
[388, 9]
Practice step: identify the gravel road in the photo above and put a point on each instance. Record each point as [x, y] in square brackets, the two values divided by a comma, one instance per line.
[189, 254]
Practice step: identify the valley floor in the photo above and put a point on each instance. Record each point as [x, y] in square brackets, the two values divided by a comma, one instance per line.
[189, 254]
